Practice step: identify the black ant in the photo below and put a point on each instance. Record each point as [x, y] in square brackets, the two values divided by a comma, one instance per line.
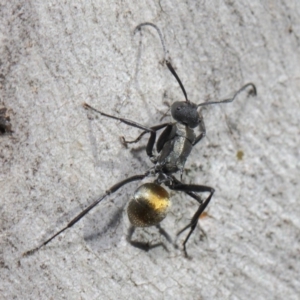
[150, 202]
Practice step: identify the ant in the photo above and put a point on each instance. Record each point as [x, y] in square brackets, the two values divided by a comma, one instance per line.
[150, 202]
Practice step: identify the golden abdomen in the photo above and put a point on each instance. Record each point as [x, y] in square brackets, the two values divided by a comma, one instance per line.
[149, 205]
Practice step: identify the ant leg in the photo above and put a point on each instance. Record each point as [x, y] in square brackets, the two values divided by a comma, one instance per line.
[125, 142]
[152, 130]
[202, 134]
[110, 191]
[189, 189]
[151, 141]
[164, 137]
[152, 138]
[191, 194]
[126, 121]
[164, 233]
[155, 128]
[145, 246]
[139, 245]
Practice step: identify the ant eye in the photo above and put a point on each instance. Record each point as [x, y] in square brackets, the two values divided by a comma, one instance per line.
[178, 108]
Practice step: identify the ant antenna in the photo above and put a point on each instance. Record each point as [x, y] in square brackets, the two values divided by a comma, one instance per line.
[253, 92]
[178, 80]
[138, 28]
[167, 60]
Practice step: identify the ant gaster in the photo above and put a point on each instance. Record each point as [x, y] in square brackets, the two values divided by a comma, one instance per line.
[150, 202]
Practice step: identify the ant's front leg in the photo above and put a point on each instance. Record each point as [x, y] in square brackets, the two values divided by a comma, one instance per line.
[202, 132]
[152, 138]
[125, 142]
[154, 128]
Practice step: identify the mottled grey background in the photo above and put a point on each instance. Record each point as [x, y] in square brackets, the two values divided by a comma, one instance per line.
[55, 55]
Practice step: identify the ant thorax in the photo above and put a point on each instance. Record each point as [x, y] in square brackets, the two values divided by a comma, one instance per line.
[177, 149]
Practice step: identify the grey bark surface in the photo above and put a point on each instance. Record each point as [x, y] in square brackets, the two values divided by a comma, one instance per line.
[56, 55]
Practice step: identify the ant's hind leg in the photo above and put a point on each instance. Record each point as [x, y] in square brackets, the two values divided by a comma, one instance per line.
[146, 246]
[190, 189]
[110, 191]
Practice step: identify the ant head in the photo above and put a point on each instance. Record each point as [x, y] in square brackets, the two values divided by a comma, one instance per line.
[185, 113]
